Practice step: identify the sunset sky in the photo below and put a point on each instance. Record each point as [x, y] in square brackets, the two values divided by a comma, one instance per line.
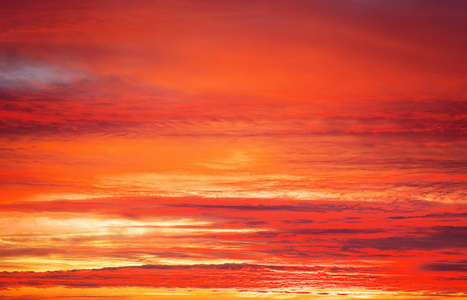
[247, 149]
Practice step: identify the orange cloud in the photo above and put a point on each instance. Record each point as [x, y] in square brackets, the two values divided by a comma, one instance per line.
[309, 149]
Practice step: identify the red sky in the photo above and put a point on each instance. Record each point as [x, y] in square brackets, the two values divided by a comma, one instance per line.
[224, 149]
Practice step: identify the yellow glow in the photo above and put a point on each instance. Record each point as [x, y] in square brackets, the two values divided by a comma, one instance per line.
[72, 224]
[134, 293]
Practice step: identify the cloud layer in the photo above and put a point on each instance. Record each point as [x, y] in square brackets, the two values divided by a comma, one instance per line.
[308, 148]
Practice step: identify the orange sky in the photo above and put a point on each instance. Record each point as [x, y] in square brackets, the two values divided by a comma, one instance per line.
[224, 149]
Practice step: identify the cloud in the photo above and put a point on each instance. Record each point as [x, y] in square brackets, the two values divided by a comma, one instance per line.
[24, 75]
[235, 276]
[440, 237]
[336, 231]
[7, 251]
[320, 143]
[43, 96]
[446, 266]
[355, 244]
[241, 277]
